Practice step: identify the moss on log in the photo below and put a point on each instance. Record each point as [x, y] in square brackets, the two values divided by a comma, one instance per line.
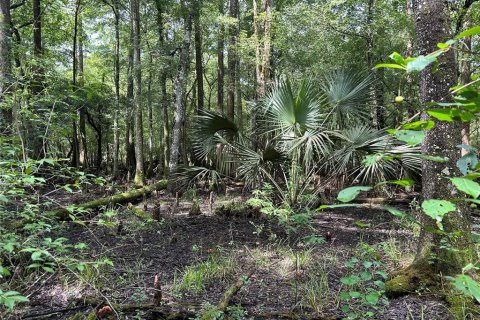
[123, 197]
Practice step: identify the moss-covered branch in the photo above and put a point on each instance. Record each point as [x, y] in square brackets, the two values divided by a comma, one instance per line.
[123, 197]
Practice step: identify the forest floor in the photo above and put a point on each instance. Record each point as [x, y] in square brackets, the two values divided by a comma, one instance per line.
[198, 257]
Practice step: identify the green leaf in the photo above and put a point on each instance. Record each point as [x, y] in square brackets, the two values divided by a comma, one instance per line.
[362, 225]
[429, 157]
[467, 286]
[334, 206]
[451, 114]
[349, 194]
[372, 298]
[397, 57]
[419, 125]
[402, 182]
[36, 256]
[3, 198]
[350, 280]
[355, 294]
[469, 187]
[366, 276]
[436, 209]
[389, 65]
[420, 63]
[469, 32]
[394, 211]
[411, 137]
[467, 163]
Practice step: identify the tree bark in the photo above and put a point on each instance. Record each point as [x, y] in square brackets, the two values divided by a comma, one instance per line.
[198, 56]
[5, 64]
[163, 90]
[137, 93]
[116, 134]
[220, 59]
[82, 131]
[232, 60]
[180, 94]
[444, 253]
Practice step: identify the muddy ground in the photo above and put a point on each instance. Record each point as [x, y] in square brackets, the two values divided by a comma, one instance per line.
[292, 277]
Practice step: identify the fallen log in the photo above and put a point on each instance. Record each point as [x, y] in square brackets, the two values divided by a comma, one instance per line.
[227, 296]
[63, 213]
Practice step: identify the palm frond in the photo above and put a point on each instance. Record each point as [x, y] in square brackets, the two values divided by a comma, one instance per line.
[347, 95]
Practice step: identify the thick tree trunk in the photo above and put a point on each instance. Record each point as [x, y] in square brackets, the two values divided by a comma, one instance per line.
[198, 56]
[444, 253]
[232, 60]
[220, 59]
[180, 93]
[137, 93]
[5, 65]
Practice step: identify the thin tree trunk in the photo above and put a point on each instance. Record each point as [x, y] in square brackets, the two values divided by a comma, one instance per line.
[82, 138]
[465, 74]
[76, 147]
[116, 133]
[129, 137]
[220, 59]
[5, 65]
[150, 121]
[163, 91]
[180, 93]
[198, 56]
[137, 93]
[232, 60]
[267, 40]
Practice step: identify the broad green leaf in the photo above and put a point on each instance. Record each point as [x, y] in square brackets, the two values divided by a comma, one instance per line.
[469, 187]
[469, 32]
[350, 280]
[436, 209]
[419, 125]
[366, 276]
[372, 298]
[3, 198]
[355, 294]
[411, 137]
[420, 63]
[451, 114]
[348, 194]
[467, 286]
[467, 163]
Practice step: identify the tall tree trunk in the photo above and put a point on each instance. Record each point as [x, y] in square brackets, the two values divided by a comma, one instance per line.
[76, 142]
[150, 120]
[267, 42]
[180, 93]
[465, 74]
[82, 132]
[259, 83]
[411, 5]
[198, 56]
[163, 90]
[137, 93]
[5, 65]
[232, 60]
[444, 253]
[129, 135]
[220, 59]
[116, 134]
[37, 45]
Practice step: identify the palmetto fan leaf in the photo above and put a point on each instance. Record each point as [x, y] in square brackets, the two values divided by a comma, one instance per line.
[289, 115]
[209, 130]
[347, 95]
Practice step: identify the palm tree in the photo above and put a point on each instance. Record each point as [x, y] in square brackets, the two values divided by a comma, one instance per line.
[302, 130]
